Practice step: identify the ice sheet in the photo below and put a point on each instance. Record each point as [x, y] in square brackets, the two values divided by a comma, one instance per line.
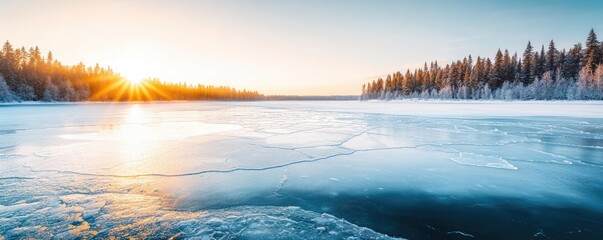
[300, 169]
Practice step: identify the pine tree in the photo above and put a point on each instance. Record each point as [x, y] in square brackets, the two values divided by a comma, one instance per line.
[497, 71]
[369, 90]
[439, 76]
[49, 58]
[507, 68]
[561, 68]
[363, 92]
[398, 82]
[551, 63]
[426, 78]
[6, 95]
[539, 63]
[35, 78]
[592, 52]
[572, 62]
[527, 76]
[467, 71]
[519, 72]
[407, 84]
[453, 77]
[389, 83]
[8, 65]
[487, 72]
[418, 83]
[476, 73]
[379, 87]
[513, 68]
[444, 81]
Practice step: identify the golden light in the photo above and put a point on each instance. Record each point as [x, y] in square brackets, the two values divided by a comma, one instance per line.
[135, 63]
[135, 71]
[141, 141]
[134, 134]
[135, 60]
[134, 81]
[125, 90]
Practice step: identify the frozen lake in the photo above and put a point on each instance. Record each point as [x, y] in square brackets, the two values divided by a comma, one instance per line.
[302, 170]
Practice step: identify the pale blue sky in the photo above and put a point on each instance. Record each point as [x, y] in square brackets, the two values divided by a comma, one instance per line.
[288, 47]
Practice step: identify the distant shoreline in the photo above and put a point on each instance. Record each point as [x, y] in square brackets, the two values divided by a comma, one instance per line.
[266, 98]
[313, 99]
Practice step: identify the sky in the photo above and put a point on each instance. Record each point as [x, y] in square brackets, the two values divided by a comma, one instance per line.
[305, 47]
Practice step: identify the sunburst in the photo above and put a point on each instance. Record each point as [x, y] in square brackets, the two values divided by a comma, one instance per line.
[123, 89]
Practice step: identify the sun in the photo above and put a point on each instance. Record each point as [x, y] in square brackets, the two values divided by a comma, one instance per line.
[136, 63]
[134, 81]
[135, 71]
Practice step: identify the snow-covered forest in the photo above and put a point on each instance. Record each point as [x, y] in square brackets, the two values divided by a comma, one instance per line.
[547, 74]
[25, 75]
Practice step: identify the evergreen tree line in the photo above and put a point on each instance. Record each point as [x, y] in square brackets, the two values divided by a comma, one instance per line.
[574, 74]
[190, 92]
[26, 75]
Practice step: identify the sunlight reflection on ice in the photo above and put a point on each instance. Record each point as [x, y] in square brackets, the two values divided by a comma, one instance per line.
[138, 127]
[139, 141]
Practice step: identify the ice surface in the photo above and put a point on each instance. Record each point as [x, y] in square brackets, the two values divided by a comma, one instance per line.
[302, 170]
